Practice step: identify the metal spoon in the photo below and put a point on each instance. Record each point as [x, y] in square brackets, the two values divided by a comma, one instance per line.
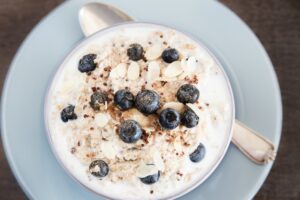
[96, 16]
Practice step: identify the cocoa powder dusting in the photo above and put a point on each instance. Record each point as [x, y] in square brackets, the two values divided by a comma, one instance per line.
[163, 83]
[90, 155]
[145, 137]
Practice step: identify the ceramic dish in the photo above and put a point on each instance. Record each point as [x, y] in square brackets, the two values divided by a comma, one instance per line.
[89, 40]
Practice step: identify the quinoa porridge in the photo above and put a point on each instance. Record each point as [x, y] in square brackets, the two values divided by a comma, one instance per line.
[139, 112]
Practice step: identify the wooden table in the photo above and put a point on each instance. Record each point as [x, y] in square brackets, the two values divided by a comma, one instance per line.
[275, 22]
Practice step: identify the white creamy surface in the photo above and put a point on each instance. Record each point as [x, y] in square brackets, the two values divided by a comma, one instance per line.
[213, 129]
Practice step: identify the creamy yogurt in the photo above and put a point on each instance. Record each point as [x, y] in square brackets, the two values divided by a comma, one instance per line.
[94, 135]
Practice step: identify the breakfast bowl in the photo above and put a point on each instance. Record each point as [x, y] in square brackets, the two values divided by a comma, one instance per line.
[86, 115]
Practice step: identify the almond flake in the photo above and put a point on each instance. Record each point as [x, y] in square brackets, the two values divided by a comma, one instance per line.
[149, 129]
[174, 105]
[121, 69]
[146, 170]
[173, 69]
[153, 71]
[154, 52]
[114, 73]
[182, 76]
[134, 114]
[133, 72]
[108, 150]
[101, 119]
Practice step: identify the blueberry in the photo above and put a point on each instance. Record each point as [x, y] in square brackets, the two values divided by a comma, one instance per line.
[135, 52]
[130, 131]
[198, 154]
[68, 113]
[124, 99]
[87, 64]
[98, 99]
[147, 101]
[189, 118]
[170, 55]
[98, 168]
[169, 118]
[187, 94]
[151, 178]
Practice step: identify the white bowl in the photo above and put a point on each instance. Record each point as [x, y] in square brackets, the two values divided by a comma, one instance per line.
[224, 147]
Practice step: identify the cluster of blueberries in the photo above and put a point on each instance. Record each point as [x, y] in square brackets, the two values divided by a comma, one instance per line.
[135, 52]
[147, 102]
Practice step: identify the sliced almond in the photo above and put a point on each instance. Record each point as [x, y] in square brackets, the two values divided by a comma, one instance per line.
[133, 72]
[137, 116]
[190, 65]
[114, 73]
[149, 129]
[154, 52]
[179, 107]
[146, 170]
[101, 119]
[108, 150]
[121, 69]
[182, 76]
[173, 69]
[194, 108]
[153, 71]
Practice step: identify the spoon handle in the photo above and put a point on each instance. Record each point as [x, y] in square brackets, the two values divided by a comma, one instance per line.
[256, 147]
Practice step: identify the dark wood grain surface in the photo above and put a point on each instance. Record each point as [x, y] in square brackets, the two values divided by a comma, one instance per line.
[275, 22]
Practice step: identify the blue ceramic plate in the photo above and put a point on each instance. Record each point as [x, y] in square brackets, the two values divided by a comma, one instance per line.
[251, 74]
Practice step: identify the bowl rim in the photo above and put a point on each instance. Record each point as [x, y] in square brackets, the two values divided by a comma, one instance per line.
[80, 44]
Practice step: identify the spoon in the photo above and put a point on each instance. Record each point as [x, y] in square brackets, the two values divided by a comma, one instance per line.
[96, 16]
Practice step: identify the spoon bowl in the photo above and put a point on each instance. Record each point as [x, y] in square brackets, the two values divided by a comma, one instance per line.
[96, 16]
